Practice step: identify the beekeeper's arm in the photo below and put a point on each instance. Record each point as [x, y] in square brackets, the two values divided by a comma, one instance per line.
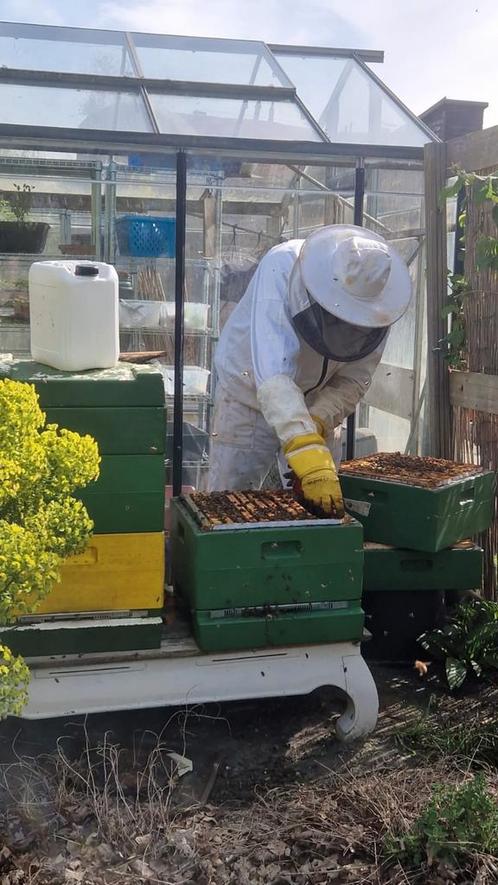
[275, 350]
[339, 398]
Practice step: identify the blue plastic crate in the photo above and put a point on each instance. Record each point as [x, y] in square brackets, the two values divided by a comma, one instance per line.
[146, 236]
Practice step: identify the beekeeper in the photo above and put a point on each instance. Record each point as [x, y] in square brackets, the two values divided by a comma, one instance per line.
[298, 353]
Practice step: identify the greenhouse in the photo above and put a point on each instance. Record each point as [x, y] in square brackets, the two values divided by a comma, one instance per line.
[181, 161]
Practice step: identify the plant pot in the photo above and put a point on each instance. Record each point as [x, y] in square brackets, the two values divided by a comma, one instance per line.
[29, 237]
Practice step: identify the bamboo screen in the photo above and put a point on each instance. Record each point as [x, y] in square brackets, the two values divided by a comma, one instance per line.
[476, 432]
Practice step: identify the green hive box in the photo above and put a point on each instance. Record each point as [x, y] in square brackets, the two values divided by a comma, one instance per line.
[85, 636]
[128, 495]
[264, 566]
[391, 569]
[122, 430]
[222, 631]
[418, 518]
[124, 385]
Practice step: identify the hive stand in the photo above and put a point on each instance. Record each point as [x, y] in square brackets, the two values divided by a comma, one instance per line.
[180, 675]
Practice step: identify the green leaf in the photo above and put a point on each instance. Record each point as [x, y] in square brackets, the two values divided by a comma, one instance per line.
[456, 672]
[450, 308]
[451, 190]
[435, 643]
[457, 336]
[482, 192]
[487, 253]
[476, 668]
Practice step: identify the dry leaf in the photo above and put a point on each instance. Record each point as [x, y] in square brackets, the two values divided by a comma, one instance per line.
[183, 765]
[422, 667]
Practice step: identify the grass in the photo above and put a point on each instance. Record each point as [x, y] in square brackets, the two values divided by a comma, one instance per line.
[472, 742]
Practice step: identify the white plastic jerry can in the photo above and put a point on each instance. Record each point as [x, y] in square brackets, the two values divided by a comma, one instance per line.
[74, 314]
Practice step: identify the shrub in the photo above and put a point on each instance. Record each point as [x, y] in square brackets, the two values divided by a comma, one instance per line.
[469, 644]
[40, 522]
[457, 823]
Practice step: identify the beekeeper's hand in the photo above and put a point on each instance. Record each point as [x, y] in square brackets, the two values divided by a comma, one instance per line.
[311, 462]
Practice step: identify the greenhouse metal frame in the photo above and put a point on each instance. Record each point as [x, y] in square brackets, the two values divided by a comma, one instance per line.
[243, 101]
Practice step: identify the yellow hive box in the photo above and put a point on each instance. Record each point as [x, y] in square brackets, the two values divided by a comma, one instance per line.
[115, 572]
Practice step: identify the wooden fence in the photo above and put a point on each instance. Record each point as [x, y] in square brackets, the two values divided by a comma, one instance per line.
[470, 398]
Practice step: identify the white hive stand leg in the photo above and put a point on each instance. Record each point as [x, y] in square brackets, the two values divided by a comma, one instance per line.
[360, 715]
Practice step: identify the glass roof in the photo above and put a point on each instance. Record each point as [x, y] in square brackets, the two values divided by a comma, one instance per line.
[231, 117]
[71, 50]
[207, 60]
[73, 108]
[349, 104]
[112, 81]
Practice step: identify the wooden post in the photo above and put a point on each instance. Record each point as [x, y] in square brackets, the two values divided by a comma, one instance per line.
[437, 283]
[209, 226]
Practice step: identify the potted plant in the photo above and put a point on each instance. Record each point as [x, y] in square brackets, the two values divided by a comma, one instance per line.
[17, 234]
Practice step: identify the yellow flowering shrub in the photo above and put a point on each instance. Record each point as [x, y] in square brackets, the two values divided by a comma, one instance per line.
[14, 677]
[40, 522]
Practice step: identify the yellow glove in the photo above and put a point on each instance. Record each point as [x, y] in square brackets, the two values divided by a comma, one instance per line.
[311, 461]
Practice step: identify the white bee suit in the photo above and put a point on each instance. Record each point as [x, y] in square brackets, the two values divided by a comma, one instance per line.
[270, 380]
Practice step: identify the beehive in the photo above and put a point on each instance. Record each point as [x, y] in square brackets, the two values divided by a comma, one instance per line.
[256, 569]
[123, 408]
[424, 504]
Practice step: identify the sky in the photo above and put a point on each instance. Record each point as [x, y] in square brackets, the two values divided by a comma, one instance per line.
[433, 48]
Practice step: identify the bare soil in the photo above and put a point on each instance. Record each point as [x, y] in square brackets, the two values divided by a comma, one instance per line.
[272, 798]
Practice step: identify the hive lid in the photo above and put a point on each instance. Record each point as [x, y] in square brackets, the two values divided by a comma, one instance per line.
[218, 511]
[410, 470]
[126, 384]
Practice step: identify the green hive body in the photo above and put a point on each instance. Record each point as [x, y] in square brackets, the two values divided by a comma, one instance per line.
[388, 568]
[419, 518]
[222, 576]
[85, 636]
[129, 494]
[278, 628]
[121, 430]
[124, 385]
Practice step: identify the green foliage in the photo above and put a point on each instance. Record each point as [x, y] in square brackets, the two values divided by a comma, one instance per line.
[487, 253]
[469, 644]
[454, 341]
[40, 522]
[18, 205]
[485, 190]
[457, 822]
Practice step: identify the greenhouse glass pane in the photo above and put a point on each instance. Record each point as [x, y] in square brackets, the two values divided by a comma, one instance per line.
[207, 60]
[231, 118]
[73, 108]
[348, 104]
[68, 50]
